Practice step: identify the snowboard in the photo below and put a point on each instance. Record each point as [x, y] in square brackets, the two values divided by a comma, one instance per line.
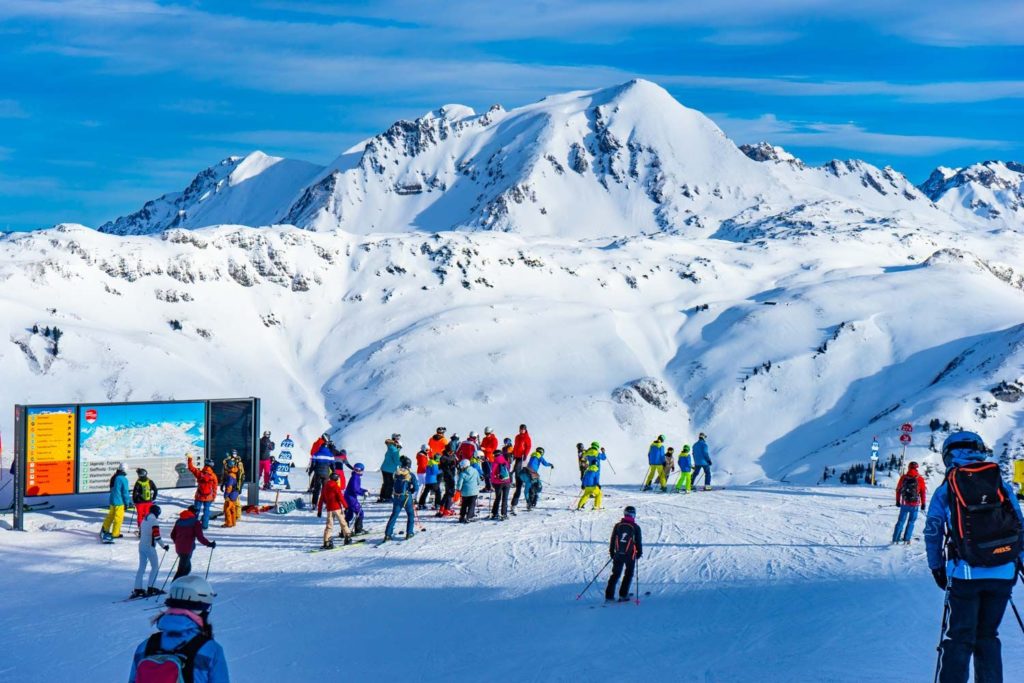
[339, 546]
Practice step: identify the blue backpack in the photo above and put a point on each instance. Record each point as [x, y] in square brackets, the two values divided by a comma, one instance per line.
[403, 482]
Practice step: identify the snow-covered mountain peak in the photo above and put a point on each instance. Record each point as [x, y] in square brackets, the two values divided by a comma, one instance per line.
[991, 190]
[765, 151]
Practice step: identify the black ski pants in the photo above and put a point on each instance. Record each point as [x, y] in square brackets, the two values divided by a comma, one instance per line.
[500, 500]
[516, 469]
[467, 509]
[184, 565]
[975, 610]
[387, 487]
[449, 490]
[618, 564]
[430, 488]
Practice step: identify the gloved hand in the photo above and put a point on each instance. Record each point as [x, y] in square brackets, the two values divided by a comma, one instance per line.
[940, 578]
[213, 544]
[922, 507]
[166, 548]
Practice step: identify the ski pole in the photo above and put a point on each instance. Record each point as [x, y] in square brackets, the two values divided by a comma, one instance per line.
[131, 522]
[208, 562]
[1017, 614]
[637, 570]
[594, 579]
[169, 572]
[610, 465]
[942, 632]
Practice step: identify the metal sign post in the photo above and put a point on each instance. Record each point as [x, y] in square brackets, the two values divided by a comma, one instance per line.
[874, 458]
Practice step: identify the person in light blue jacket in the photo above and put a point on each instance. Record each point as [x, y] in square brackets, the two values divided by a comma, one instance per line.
[468, 486]
[389, 466]
[976, 595]
[702, 460]
[118, 500]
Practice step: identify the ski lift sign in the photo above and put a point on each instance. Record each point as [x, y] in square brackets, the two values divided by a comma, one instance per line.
[907, 428]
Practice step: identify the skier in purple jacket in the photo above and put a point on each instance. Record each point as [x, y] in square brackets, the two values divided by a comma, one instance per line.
[353, 491]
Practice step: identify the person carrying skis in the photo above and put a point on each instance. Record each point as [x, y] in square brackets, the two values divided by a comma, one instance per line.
[206, 489]
[183, 648]
[625, 548]
[333, 498]
[149, 539]
[500, 481]
[910, 495]
[392, 458]
[448, 465]
[403, 495]
[685, 469]
[422, 456]
[437, 442]
[702, 460]
[468, 486]
[353, 507]
[266, 458]
[321, 467]
[531, 477]
[143, 494]
[117, 502]
[656, 462]
[592, 477]
[981, 567]
[231, 488]
[187, 530]
[431, 475]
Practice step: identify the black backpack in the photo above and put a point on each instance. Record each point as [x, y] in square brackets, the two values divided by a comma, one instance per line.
[624, 541]
[985, 530]
[910, 492]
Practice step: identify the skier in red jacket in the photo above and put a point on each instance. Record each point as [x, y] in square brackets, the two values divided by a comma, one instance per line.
[489, 444]
[910, 497]
[333, 498]
[520, 451]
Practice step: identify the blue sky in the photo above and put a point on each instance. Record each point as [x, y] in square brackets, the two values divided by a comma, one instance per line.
[107, 103]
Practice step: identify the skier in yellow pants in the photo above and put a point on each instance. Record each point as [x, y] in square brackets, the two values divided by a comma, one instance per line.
[685, 469]
[118, 501]
[592, 477]
[656, 460]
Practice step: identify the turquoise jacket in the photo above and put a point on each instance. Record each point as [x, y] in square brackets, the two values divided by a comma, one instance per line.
[119, 493]
[468, 482]
[391, 458]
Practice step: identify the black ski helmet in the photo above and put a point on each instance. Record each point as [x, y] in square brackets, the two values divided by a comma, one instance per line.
[630, 511]
[155, 509]
[334, 476]
[142, 472]
[404, 461]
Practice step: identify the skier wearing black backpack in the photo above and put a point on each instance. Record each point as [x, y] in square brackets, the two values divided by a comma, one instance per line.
[626, 547]
[974, 517]
[910, 495]
[183, 649]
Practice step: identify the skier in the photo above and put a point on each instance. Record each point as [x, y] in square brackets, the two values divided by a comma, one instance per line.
[183, 648]
[581, 459]
[353, 492]
[149, 539]
[118, 501]
[422, 456]
[981, 569]
[454, 443]
[266, 448]
[448, 465]
[206, 489]
[430, 485]
[685, 468]
[321, 466]
[469, 486]
[437, 442]
[389, 466]
[231, 488]
[237, 459]
[592, 477]
[403, 495]
[702, 460]
[187, 530]
[670, 464]
[143, 494]
[656, 462]
[468, 449]
[334, 499]
[500, 481]
[532, 482]
[625, 548]
[910, 495]
[489, 445]
[520, 452]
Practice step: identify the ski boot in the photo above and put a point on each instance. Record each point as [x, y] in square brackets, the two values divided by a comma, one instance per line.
[328, 544]
[137, 593]
[512, 512]
[504, 518]
[626, 598]
[647, 487]
[348, 540]
[153, 590]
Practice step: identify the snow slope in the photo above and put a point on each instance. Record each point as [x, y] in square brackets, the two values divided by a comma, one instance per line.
[762, 583]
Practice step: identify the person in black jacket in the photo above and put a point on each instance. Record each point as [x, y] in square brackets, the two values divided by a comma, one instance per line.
[626, 547]
[266, 449]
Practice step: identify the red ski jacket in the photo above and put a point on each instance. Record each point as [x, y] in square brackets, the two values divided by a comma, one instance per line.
[489, 445]
[921, 487]
[206, 482]
[332, 496]
[523, 445]
[187, 530]
[421, 462]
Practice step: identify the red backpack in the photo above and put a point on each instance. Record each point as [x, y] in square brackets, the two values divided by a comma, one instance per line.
[168, 666]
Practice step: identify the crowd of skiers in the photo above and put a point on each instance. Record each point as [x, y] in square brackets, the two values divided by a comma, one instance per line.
[662, 462]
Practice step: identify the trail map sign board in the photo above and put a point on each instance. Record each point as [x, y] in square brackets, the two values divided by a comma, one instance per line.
[69, 449]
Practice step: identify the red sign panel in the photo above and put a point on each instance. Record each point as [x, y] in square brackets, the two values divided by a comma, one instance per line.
[905, 438]
[90, 416]
[907, 427]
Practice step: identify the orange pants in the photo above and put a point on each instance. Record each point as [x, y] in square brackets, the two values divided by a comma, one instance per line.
[232, 511]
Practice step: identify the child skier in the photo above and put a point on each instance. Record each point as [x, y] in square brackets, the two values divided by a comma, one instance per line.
[403, 494]
[117, 501]
[468, 486]
[685, 468]
[625, 548]
[187, 530]
[143, 494]
[353, 506]
[183, 648]
[656, 462]
[231, 489]
[422, 456]
[334, 499]
[149, 539]
[206, 489]
[670, 464]
[431, 474]
[532, 481]
[592, 477]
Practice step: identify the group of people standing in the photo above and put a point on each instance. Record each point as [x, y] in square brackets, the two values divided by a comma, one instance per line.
[692, 462]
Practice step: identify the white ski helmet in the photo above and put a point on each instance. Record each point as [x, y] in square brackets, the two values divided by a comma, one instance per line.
[190, 592]
[487, 430]
[472, 435]
[463, 464]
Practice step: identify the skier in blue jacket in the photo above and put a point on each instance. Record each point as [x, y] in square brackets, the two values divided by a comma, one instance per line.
[702, 460]
[389, 467]
[530, 476]
[468, 486]
[976, 595]
[656, 461]
[118, 500]
[184, 637]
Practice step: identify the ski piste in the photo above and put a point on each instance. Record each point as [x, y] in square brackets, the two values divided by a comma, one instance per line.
[339, 546]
